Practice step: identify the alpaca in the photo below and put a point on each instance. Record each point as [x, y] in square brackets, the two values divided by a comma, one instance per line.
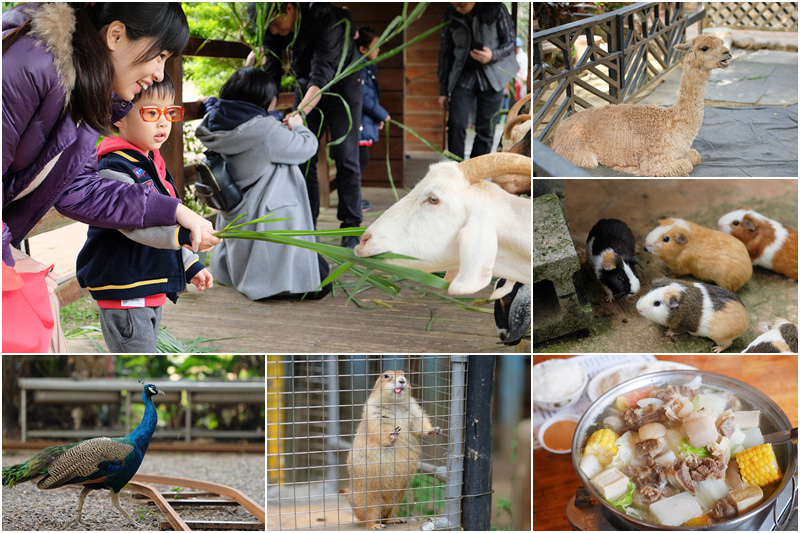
[646, 140]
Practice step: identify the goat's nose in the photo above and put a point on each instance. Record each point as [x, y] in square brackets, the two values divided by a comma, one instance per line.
[364, 238]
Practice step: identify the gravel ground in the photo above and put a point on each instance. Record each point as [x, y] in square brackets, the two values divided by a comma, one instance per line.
[26, 508]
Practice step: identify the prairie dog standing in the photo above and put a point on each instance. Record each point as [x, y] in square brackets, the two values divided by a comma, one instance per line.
[386, 450]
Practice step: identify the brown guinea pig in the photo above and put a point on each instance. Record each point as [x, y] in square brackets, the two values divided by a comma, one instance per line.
[770, 244]
[704, 253]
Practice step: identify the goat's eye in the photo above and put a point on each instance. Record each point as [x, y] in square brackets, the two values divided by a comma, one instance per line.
[656, 303]
[433, 200]
[704, 48]
[666, 239]
[735, 222]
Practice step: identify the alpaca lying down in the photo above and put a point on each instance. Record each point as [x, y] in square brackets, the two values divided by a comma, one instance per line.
[646, 140]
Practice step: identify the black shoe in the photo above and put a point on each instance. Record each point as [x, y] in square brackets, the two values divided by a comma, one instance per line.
[366, 205]
[350, 241]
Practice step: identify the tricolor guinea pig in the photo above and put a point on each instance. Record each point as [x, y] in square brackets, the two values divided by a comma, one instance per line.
[610, 251]
[781, 337]
[770, 244]
[704, 253]
[696, 308]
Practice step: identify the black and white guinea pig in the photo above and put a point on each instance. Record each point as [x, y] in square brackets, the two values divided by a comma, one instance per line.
[696, 308]
[610, 250]
[781, 337]
[512, 312]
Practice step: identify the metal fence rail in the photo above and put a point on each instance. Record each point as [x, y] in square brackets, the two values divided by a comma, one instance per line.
[625, 50]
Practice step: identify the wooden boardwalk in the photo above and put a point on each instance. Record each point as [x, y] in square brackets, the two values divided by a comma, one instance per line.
[413, 322]
[410, 323]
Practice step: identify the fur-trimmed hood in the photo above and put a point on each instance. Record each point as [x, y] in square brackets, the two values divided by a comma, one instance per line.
[52, 24]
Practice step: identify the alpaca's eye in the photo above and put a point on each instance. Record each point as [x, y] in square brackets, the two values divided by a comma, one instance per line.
[704, 48]
[666, 239]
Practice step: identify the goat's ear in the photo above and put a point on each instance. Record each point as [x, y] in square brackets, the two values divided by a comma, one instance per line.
[683, 47]
[477, 249]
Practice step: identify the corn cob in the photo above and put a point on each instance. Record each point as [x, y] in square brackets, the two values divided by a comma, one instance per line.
[758, 465]
[601, 444]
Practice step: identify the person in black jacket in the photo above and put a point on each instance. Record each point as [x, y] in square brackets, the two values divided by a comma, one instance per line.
[315, 39]
[476, 61]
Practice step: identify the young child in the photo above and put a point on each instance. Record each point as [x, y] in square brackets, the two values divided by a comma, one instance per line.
[131, 273]
[373, 116]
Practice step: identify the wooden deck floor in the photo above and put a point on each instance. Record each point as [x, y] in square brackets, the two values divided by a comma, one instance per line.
[410, 323]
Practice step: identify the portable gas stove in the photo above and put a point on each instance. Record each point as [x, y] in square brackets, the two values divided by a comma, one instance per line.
[595, 517]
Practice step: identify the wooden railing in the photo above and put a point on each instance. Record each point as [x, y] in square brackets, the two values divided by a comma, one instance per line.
[625, 50]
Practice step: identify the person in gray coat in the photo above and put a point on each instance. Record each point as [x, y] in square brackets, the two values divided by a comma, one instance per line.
[262, 157]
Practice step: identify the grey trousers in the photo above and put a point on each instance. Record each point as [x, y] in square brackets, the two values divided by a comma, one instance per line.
[131, 330]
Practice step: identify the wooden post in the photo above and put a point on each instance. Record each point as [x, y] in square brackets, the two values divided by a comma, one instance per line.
[172, 149]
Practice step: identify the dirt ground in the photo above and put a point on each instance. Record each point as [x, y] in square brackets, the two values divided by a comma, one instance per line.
[617, 327]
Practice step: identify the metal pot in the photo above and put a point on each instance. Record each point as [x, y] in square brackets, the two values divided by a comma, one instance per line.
[773, 419]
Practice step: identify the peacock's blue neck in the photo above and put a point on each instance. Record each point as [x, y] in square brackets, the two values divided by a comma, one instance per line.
[144, 431]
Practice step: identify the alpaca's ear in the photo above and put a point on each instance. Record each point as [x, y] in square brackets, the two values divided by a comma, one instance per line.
[685, 47]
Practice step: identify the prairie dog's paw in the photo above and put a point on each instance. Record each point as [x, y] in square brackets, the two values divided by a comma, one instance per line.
[394, 434]
[437, 430]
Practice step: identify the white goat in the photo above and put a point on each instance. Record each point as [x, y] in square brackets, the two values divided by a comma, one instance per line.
[455, 220]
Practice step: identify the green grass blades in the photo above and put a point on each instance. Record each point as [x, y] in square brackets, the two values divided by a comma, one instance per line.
[344, 258]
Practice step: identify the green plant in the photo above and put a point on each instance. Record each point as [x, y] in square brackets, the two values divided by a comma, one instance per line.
[363, 267]
[425, 497]
[177, 491]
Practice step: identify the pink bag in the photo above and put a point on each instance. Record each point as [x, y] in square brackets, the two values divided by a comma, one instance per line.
[27, 316]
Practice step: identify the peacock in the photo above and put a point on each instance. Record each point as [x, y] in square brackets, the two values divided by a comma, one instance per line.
[100, 463]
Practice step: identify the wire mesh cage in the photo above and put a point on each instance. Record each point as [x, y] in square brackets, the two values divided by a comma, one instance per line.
[401, 466]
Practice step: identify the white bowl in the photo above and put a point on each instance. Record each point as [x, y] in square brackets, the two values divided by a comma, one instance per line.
[549, 422]
[566, 401]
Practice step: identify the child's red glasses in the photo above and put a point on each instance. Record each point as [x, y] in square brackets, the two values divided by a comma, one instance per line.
[151, 113]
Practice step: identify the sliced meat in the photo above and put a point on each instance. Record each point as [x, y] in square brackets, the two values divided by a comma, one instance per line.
[680, 476]
[650, 447]
[643, 497]
[636, 417]
[706, 468]
[727, 423]
[723, 510]
[650, 480]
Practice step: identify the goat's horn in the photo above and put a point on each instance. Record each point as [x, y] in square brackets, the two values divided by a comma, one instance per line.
[510, 171]
[513, 122]
[514, 111]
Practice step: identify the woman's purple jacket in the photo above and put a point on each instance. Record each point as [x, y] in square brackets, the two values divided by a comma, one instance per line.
[37, 127]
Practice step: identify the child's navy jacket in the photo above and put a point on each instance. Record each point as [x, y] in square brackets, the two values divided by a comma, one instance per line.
[113, 267]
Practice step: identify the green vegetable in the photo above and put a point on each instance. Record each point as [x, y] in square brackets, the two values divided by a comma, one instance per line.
[685, 448]
[625, 500]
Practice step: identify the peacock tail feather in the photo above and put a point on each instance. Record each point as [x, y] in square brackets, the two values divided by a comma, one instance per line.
[34, 467]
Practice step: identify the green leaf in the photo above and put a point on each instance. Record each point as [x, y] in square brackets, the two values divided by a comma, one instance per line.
[685, 448]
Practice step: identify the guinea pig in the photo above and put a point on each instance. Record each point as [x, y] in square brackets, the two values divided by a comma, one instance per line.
[610, 251]
[704, 253]
[697, 308]
[770, 244]
[781, 338]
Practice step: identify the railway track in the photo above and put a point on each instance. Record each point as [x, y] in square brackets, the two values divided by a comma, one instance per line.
[209, 495]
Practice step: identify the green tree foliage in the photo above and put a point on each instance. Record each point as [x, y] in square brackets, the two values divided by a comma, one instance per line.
[223, 21]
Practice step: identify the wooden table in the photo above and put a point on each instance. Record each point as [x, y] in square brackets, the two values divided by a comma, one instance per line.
[554, 479]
